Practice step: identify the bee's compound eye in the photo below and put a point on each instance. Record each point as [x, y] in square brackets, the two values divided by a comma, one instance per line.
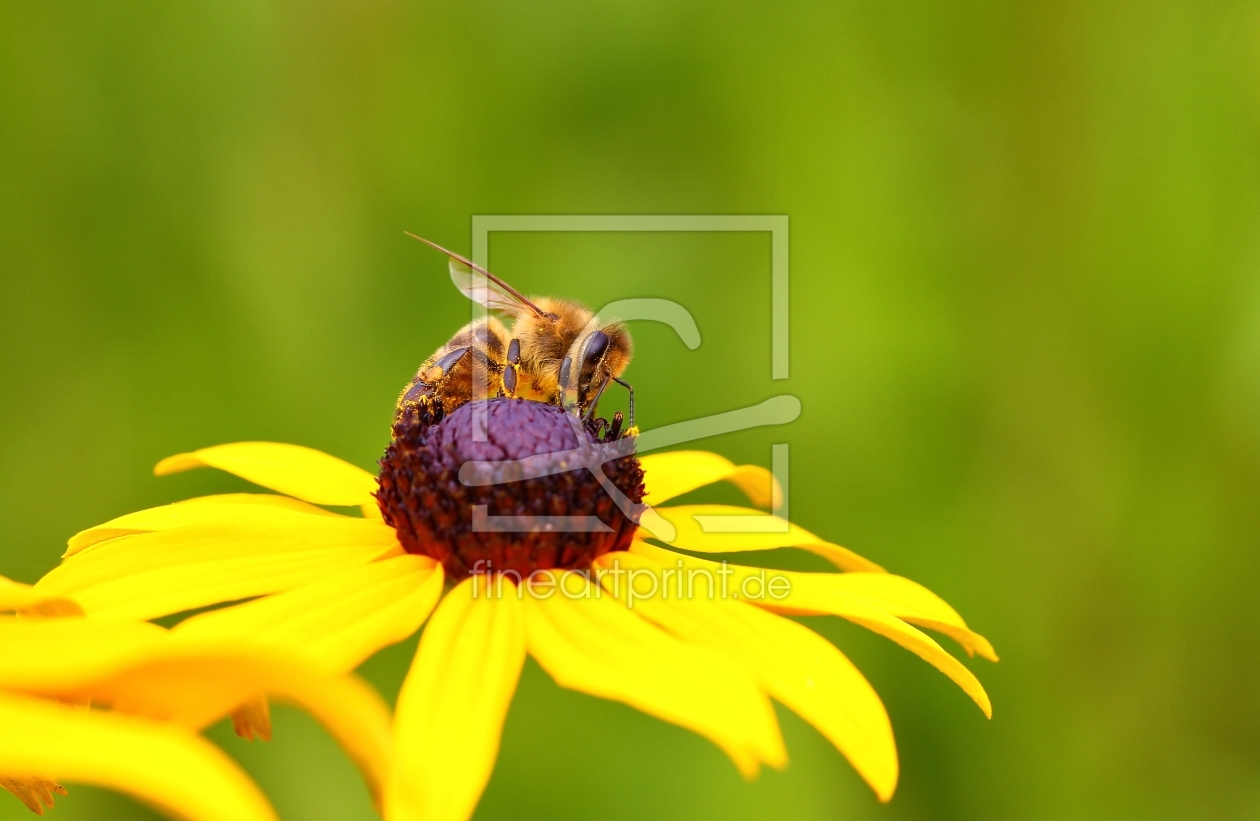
[596, 347]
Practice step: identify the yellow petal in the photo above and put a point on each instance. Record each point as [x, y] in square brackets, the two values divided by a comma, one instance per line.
[293, 470]
[169, 571]
[453, 703]
[352, 712]
[814, 593]
[23, 598]
[598, 646]
[36, 792]
[193, 512]
[162, 765]
[53, 656]
[337, 622]
[794, 664]
[668, 475]
[141, 669]
[196, 684]
[708, 529]
[912, 602]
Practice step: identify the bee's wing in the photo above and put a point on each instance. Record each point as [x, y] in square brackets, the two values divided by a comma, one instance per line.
[488, 291]
[483, 287]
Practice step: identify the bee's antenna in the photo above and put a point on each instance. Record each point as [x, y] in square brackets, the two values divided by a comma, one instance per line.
[449, 253]
[627, 386]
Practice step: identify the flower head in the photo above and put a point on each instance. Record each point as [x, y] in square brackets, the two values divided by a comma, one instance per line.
[518, 543]
[436, 514]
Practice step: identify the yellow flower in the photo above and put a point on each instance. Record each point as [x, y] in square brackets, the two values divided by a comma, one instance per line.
[160, 690]
[337, 588]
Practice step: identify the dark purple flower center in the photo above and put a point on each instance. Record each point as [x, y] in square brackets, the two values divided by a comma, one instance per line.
[492, 520]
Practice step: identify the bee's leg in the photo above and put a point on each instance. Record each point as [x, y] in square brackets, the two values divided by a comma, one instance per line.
[438, 372]
[425, 383]
[511, 369]
[424, 390]
[590, 411]
[627, 386]
[418, 398]
[444, 365]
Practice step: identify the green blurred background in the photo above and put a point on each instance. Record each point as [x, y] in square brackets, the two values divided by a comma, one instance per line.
[1025, 331]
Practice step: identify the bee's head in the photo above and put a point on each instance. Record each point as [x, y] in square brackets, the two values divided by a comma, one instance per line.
[597, 355]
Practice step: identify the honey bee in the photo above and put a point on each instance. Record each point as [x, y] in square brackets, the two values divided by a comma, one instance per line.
[557, 351]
